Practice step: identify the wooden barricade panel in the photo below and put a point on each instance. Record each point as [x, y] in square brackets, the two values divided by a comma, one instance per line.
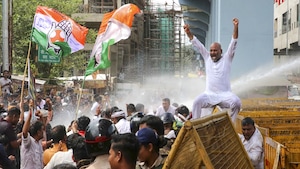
[268, 113]
[217, 143]
[286, 134]
[272, 152]
[186, 151]
[221, 142]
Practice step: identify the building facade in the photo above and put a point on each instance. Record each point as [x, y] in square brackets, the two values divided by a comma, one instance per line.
[286, 29]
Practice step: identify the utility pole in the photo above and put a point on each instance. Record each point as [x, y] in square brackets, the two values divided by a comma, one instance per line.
[5, 43]
[10, 34]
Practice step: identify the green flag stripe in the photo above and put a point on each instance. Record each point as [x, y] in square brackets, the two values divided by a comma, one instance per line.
[104, 62]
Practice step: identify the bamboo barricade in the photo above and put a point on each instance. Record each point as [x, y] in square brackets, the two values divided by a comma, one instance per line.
[274, 154]
[210, 142]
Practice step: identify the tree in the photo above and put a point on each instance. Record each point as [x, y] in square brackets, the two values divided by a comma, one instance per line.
[22, 24]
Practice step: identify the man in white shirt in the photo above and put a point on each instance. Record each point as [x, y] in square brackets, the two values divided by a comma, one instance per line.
[217, 67]
[166, 107]
[5, 83]
[96, 104]
[122, 125]
[31, 147]
[40, 103]
[253, 143]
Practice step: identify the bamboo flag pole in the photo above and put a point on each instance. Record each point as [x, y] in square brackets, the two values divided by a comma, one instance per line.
[23, 82]
[80, 94]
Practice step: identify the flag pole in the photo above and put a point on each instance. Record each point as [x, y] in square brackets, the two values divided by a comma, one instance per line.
[80, 94]
[23, 82]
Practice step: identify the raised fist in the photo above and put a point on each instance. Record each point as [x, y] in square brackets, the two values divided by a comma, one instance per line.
[235, 21]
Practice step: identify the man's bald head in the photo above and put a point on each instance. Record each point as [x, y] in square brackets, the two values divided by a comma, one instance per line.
[215, 51]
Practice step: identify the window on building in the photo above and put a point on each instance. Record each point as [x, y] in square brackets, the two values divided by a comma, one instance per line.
[298, 15]
[284, 23]
[275, 27]
[289, 21]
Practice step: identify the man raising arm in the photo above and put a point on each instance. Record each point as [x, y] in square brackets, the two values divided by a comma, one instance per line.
[218, 68]
[31, 147]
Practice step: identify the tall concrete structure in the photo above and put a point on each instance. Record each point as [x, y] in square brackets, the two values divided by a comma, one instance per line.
[286, 30]
[211, 20]
[287, 36]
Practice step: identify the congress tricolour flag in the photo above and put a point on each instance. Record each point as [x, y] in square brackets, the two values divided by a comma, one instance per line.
[115, 26]
[56, 33]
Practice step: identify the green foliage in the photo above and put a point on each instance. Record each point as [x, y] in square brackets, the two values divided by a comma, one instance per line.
[91, 36]
[23, 14]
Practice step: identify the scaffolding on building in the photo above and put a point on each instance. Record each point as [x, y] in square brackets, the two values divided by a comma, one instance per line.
[162, 39]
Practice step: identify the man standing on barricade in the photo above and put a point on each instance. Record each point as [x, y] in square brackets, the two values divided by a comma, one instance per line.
[218, 67]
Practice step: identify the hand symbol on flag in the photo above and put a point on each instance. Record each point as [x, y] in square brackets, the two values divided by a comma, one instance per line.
[58, 33]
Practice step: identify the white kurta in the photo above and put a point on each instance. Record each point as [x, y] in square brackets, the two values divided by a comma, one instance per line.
[123, 126]
[160, 110]
[254, 148]
[218, 89]
[94, 108]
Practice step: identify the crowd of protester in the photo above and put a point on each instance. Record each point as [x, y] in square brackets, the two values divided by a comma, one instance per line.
[103, 135]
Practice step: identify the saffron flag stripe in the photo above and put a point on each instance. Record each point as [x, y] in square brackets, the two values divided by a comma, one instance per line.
[122, 14]
[104, 22]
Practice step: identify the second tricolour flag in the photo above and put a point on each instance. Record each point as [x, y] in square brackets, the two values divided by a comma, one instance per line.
[56, 33]
[115, 26]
